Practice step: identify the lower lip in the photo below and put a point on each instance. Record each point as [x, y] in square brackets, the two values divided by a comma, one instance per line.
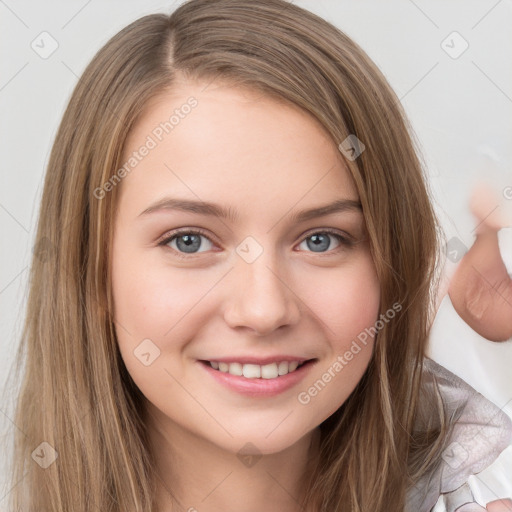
[259, 387]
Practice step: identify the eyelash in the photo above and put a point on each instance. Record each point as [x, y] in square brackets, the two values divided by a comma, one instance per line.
[345, 242]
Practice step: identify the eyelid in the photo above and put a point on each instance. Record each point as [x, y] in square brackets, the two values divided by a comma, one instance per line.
[167, 237]
[330, 231]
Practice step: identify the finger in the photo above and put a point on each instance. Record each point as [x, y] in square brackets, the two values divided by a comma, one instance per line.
[485, 206]
[481, 289]
[503, 505]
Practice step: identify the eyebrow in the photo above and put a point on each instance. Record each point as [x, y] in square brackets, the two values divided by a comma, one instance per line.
[205, 208]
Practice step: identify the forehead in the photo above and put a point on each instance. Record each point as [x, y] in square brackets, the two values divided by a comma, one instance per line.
[211, 141]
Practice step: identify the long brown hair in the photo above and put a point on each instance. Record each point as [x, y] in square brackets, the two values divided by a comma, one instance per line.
[77, 395]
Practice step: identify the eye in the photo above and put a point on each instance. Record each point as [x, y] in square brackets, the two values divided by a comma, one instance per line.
[320, 241]
[187, 241]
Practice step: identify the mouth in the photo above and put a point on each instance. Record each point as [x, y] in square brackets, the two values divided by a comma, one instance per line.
[255, 380]
[257, 371]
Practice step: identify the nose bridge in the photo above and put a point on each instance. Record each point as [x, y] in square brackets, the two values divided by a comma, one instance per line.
[260, 298]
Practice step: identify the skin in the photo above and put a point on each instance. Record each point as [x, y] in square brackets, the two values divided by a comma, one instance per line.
[493, 506]
[500, 506]
[481, 289]
[267, 160]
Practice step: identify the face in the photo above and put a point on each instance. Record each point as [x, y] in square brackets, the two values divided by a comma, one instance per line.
[221, 262]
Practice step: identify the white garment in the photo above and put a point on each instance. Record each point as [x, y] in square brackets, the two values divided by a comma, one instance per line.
[478, 437]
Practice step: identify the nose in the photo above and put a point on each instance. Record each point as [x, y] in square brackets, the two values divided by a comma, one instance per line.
[260, 300]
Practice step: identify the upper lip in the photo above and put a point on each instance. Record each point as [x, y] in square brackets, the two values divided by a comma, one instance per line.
[258, 360]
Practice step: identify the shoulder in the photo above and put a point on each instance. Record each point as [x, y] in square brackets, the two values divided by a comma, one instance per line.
[479, 433]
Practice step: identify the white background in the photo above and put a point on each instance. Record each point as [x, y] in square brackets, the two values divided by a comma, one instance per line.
[460, 109]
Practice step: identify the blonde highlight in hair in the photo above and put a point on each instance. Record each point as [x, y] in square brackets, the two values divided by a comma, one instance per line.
[77, 394]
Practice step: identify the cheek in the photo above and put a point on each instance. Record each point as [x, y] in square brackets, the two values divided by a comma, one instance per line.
[348, 307]
[150, 300]
[165, 306]
[347, 300]
[152, 308]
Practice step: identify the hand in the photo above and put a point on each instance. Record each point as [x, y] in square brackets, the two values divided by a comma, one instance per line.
[481, 289]
[504, 505]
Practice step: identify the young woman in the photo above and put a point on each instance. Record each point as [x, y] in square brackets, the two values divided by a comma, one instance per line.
[238, 283]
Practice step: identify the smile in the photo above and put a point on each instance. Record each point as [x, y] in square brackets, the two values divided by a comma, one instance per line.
[258, 380]
[256, 371]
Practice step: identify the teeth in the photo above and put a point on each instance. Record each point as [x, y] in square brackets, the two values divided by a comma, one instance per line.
[236, 369]
[292, 366]
[283, 367]
[269, 371]
[256, 371]
[251, 371]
